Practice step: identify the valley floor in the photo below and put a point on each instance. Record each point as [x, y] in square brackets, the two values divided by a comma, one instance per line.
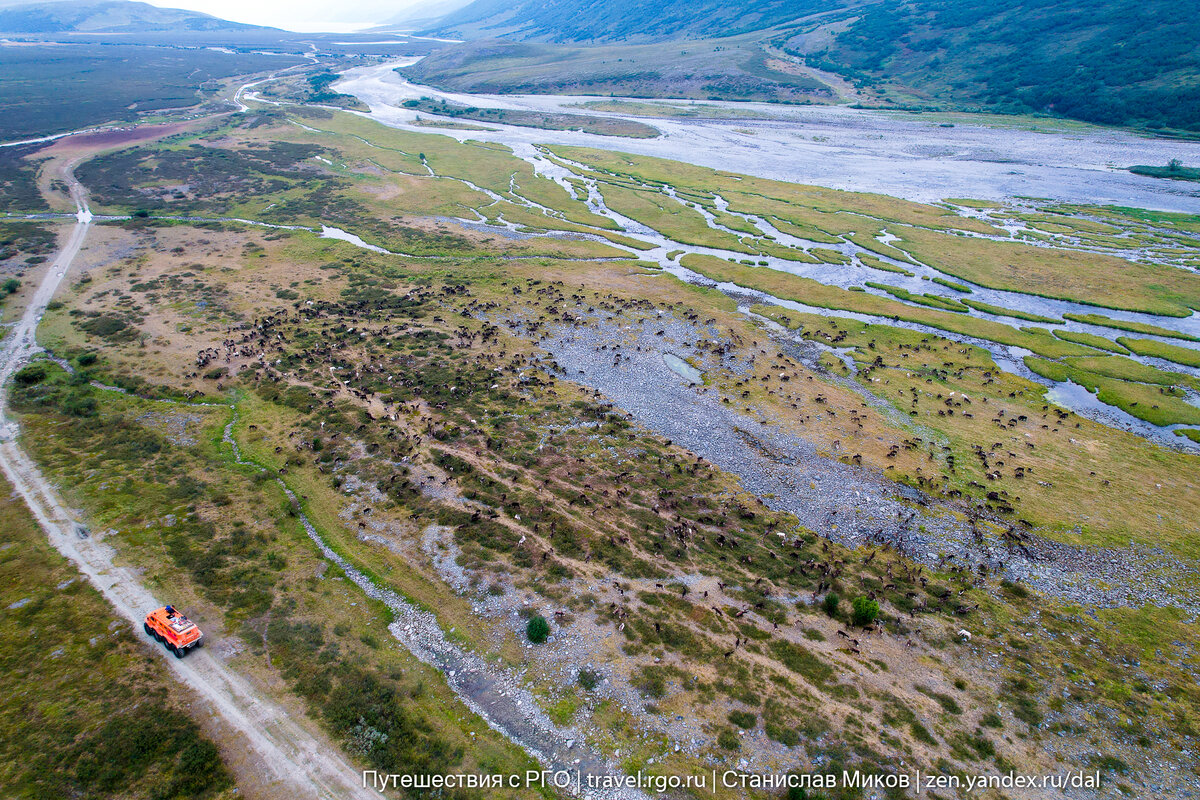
[798, 479]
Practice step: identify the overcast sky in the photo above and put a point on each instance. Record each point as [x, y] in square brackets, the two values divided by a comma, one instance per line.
[300, 15]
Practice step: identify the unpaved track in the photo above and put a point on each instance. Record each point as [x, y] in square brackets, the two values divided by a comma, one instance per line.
[296, 763]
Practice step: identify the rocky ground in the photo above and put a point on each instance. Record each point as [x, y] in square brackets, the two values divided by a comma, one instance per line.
[624, 360]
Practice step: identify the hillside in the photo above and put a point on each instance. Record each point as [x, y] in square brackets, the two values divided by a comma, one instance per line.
[733, 68]
[1115, 62]
[616, 20]
[108, 16]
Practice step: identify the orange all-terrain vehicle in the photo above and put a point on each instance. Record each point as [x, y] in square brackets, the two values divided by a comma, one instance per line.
[178, 633]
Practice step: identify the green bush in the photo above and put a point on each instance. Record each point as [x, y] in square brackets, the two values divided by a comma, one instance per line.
[79, 404]
[538, 630]
[30, 375]
[10, 286]
[729, 740]
[588, 679]
[863, 611]
[830, 604]
[743, 719]
[921, 733]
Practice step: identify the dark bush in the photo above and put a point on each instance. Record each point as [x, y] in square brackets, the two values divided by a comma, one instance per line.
[30, 375]
[588, 679]
[538, 630]
[743, 719]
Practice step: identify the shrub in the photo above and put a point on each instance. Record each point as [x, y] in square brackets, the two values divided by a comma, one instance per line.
[920, 733]
[1014, 589]
[863, 611]
[830, 604]
[785, 736]
[10, 286]
[729, 740]
[538, 630]
[743, 719]
[588, 679]
[79, 404]
[650, 681]
[30, 375]
[106, 326]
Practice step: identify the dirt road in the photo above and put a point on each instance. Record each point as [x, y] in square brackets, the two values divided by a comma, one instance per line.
[295, 761]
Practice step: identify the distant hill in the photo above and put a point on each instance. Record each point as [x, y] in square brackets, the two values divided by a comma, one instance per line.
[423, 15]
[616, 20]
[108, 16]
[1122, 62]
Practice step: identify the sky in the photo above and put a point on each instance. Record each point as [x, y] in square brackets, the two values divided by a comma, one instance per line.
[300, 15]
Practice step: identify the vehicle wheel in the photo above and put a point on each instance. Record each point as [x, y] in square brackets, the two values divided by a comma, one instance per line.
[169, 646]
[162, 639]
[179, 653]
[149, 631]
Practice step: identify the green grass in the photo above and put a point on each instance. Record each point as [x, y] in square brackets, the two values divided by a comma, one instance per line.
[258, 581]
[958, 287]
[1174, 173]
[1091, 340]
[1158, 405]
[1001, 311]
[1169, 352]
[85, 710]
[814, 293]
[671, 218]
[1132, 327]
[1127, 369]
[1090, 278]
[879, 263]
[933, 301]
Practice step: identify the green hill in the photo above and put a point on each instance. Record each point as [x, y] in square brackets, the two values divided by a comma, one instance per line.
[616, 20]
[1118, 62]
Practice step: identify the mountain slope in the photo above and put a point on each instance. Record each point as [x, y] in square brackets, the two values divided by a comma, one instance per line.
[615, 20]
[1122, 62]
[1125, 62]
[108, 16]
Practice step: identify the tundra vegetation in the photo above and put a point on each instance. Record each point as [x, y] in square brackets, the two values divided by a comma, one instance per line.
[83, 708]
[413, 402]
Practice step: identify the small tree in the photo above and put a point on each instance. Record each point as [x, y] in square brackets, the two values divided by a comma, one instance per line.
[1174, 165]
[830, 604]
[538, 629]
[10, 286]
[864, 611]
